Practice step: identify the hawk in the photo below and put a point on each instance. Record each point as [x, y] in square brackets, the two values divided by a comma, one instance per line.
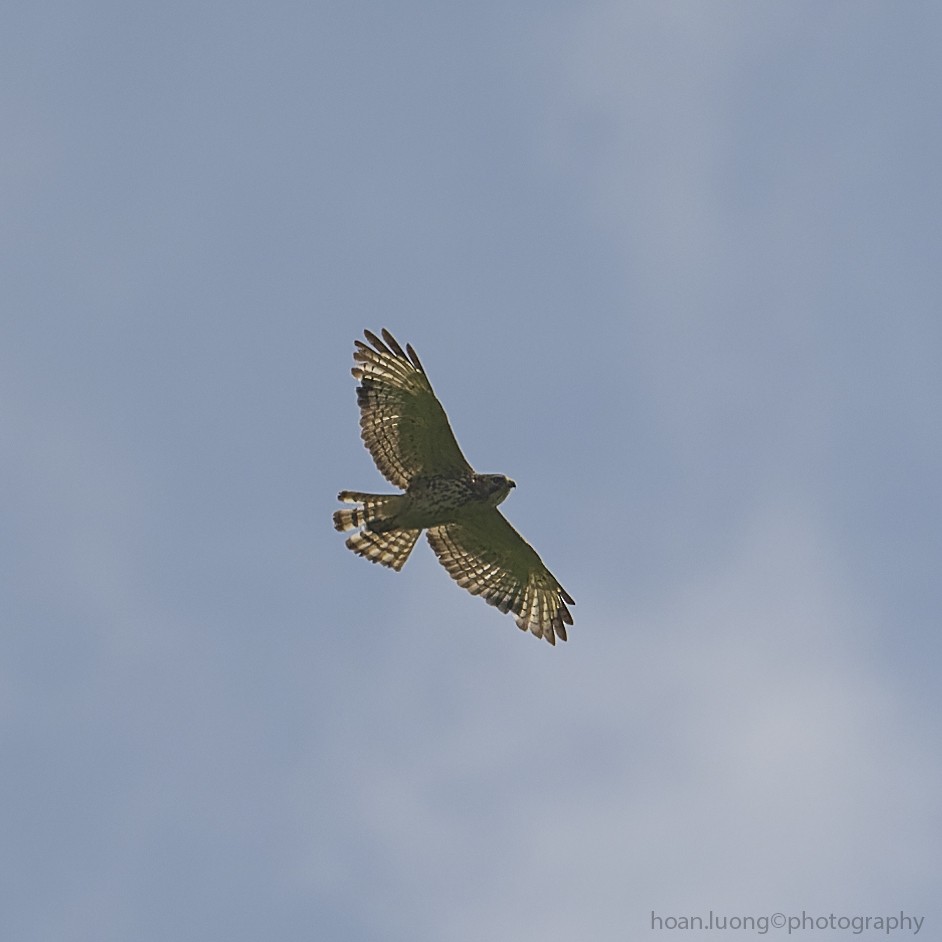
[406, 431]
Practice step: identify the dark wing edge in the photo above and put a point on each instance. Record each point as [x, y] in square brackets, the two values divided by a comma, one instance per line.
[394, 348]
[487, 556]
[402, 423]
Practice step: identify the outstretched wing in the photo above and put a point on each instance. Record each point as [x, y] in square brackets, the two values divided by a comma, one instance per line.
[402, 423]
[488, 557]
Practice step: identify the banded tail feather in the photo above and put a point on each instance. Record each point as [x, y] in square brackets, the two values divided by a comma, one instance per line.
[379, 540]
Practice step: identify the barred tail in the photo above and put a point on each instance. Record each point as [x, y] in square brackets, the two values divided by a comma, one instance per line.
[380, 540]
[376, 509]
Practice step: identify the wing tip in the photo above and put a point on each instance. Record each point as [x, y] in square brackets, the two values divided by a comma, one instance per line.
[414, 357]
[386, 343]
[393, 344]
[374, 340]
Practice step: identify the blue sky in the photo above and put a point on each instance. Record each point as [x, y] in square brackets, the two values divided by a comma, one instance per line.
[673, 267]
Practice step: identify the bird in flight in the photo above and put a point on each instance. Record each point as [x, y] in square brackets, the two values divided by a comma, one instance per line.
[406, 431]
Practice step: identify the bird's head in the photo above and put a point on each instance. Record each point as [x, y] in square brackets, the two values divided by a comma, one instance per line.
[492, 488]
